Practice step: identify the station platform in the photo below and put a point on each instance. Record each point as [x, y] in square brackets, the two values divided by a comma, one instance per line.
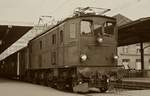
[138, 79]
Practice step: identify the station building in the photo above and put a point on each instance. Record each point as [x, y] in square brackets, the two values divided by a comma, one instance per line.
[130, 55]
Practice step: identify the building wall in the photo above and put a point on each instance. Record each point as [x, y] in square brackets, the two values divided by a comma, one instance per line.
[130, 57]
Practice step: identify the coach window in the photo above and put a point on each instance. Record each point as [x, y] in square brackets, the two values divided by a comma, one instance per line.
[54, 39]
[61, 36]
[86, 27]
[72, 30]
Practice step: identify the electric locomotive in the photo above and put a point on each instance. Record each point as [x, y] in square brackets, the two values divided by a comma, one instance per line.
[78, 53]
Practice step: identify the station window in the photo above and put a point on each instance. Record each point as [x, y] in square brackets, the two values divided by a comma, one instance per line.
[109, 28]
[86, 27]
[53, 60]
[125, 49]
[125, 60]
[61, 36]
[138, 60]
[54, 39]
[72, 30]
[138, 48]
[138, 64]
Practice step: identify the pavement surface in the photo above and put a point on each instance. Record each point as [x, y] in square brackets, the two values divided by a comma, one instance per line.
[16, 88]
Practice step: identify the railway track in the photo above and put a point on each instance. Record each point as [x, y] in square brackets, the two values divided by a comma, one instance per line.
[131, 85]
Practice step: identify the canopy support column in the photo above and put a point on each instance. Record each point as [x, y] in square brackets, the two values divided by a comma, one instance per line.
[142, 57]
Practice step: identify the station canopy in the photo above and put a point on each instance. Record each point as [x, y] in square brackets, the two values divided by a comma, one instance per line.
[134, 32]
[11, 33]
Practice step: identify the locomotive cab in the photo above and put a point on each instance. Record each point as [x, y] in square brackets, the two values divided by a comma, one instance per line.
[97, 41]
[98, 54]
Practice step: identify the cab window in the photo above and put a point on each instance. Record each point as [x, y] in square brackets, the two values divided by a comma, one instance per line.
[98, 29]
[86, 27]
[109, 28]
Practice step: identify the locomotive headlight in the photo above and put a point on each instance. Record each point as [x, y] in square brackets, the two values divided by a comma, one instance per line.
[100, 40]
[116, 57]
[83, 57]
[108, 80]
[80, 82]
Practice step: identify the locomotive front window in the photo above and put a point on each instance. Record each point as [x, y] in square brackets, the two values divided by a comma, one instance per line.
[86, 27]
[98, 29]
[109, 28]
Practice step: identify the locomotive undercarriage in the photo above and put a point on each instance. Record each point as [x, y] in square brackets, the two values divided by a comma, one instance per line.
[94, 77]
[52, 77]
[74, 79]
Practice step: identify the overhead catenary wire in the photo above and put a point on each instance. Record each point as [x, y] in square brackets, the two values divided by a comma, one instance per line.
[123, 6]
[62, 4]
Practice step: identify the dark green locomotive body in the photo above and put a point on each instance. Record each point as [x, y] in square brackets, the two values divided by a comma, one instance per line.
[84, 42]
[78, 53]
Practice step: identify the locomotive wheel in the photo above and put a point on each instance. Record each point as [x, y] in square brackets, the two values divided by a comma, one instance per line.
[69, 88]
[34, 81]
[49, 84]
[103, 90]
[42, 82]
[60, 86]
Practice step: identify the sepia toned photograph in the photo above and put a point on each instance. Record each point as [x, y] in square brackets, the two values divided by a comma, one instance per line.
[74, 48]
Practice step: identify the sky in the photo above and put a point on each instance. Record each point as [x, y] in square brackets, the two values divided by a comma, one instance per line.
[29, 11]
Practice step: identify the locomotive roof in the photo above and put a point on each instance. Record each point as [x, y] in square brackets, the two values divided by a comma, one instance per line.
[69, 18]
